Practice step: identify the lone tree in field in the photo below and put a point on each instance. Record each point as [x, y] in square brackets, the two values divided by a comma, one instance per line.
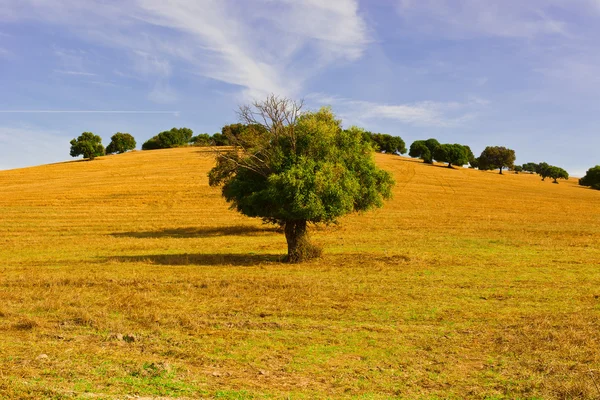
[557, 173]
[293, 168]
[456, 154]
[87, 145]
[496, 157]
[120, 143]
[424, 149]
[591, 178]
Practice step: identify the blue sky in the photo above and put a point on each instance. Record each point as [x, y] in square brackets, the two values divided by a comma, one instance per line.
[521, 74]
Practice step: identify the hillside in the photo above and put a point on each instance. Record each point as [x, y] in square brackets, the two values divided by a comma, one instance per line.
[129, 275]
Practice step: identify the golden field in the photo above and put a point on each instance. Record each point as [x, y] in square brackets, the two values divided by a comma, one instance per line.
[129, 276]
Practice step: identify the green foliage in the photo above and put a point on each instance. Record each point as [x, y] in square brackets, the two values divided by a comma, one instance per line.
[546, 170]
[496, 157]
[543, 170]
[456, 154]
[87, 145]
[218, 139]
[202, 139]
[385, 142]
[558, 173]
[518, 169]
[120, 143]
[300, 169]
[591, 178]
[471, 157]
[176, 137]
[424, 149]
[530, 167]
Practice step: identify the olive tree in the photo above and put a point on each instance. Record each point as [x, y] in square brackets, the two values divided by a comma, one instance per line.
[424, 149]
[292, 168]
[456, 154]
[543, 170]
[557, 173]
[120, 143]
[591, 178]
[175, 137]
[87, 145]
[496, 157]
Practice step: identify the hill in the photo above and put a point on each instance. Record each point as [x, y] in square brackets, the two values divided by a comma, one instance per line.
[129, 275]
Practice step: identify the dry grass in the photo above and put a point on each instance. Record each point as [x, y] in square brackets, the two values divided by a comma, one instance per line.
[128, 275]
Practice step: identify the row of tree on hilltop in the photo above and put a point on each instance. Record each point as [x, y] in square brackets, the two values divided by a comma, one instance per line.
[90, 146]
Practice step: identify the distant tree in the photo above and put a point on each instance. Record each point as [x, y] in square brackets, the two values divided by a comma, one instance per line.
[87, 145]
[120, 143]
[518, 169]
[388, 143]
[176, 137]
[218, 139]
[455, 154]
[471, 157]
[424, 149]
[299, 168]
[543, 170]
[202, 139]
[530, 167]
[558, 173]
[233, 130]
[496, 157]
[591, 178]
[152, 144]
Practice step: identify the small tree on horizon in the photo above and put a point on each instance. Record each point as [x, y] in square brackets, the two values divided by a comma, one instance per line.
[120, 143]
[292, 168]
[496, 157]
[175, 137]
[387, 143]
[87, 145]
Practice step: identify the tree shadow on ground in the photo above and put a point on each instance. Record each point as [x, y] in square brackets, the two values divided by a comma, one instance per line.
[200, 232]
[201, 259]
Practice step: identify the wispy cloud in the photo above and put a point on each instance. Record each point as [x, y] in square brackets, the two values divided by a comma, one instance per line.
[422, 114]
[5, 53]
[502, 18]
[79, 73]
[87, 112]
[261, 46]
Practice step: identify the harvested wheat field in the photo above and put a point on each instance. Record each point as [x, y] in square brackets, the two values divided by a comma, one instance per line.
[129, 276]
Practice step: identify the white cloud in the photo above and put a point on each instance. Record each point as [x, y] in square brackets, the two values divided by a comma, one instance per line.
[502, 18]
[262, 46]
[423, 114]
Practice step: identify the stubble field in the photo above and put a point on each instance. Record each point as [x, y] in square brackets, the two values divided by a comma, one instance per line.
[129, 275]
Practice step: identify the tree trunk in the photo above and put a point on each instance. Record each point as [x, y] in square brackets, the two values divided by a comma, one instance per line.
[501, 171]
[299, 246]
[449, 165]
